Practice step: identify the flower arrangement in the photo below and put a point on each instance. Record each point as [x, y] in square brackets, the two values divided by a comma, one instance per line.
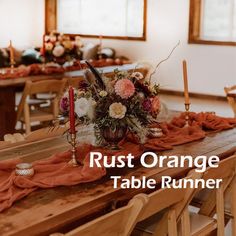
[125, 101]
[61, 48]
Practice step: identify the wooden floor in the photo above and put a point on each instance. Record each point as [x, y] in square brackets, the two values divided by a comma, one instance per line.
[177, 103]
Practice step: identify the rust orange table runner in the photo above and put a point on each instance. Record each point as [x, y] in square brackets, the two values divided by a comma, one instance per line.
[55, 171]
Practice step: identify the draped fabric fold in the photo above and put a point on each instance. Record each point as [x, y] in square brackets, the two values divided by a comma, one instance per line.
[55, 171]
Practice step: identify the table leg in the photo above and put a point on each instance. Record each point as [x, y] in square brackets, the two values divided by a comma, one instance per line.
[7, 111]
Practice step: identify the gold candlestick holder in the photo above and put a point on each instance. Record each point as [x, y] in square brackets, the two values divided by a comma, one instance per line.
[187, 108]
[72, 141]
[99, 52]
[43, 64]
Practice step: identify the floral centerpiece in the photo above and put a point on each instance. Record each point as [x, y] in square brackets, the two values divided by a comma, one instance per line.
[61, 48]
[115, 105]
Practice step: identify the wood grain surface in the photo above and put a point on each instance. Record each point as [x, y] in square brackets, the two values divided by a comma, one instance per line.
[48, 210]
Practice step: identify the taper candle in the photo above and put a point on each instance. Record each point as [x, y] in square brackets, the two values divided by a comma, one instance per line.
[100, 41]
[43, 46]
[12, 60]
[185, 78]
[72, 110]
[100, 47]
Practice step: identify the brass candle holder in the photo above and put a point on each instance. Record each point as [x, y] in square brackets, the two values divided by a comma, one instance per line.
[187, 108]
[72, 141]
[43, 63]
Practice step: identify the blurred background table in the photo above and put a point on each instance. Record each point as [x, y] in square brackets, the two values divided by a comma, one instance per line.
[232, 95]
[9, 87]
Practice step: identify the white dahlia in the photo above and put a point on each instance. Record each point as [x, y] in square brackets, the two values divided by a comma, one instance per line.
[82, 107]
[117, 110]
[58, 51]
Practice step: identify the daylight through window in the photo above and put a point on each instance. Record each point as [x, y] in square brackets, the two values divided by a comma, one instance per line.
[119, 18]
[213, 21]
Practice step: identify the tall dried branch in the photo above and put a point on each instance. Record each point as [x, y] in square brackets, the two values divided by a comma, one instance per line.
[150, 78]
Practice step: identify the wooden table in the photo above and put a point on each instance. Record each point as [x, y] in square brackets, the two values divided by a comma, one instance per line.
[8, 88]
[48, 210]
[231, 95]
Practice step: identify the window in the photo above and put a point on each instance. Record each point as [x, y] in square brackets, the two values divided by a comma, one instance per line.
[124, 19]
[213, 22]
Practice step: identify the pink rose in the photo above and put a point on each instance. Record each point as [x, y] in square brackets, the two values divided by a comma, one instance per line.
[124, 88]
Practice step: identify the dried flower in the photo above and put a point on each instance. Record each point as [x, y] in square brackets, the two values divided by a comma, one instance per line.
[141, 95]
[154, 89]
[60, 38]
[124, 88]
[147, 105]
[58, 51]
[53, 38]
[47, 38]
[117, 110]
[103, 93]
[137, 75]
[109, 84]
[64, 104]
[81, 107]
[91, 109]
[143, 87]
[80, 94]
[83, 85]
[68, 44]
[48, 46]
[78, 42]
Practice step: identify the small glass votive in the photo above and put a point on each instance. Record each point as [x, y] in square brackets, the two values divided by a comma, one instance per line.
[155, 132]
[24, 169]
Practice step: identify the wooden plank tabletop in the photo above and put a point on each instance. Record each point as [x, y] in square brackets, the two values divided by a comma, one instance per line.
[48, 210]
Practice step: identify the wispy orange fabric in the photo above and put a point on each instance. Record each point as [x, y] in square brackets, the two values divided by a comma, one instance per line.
[55, 170]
